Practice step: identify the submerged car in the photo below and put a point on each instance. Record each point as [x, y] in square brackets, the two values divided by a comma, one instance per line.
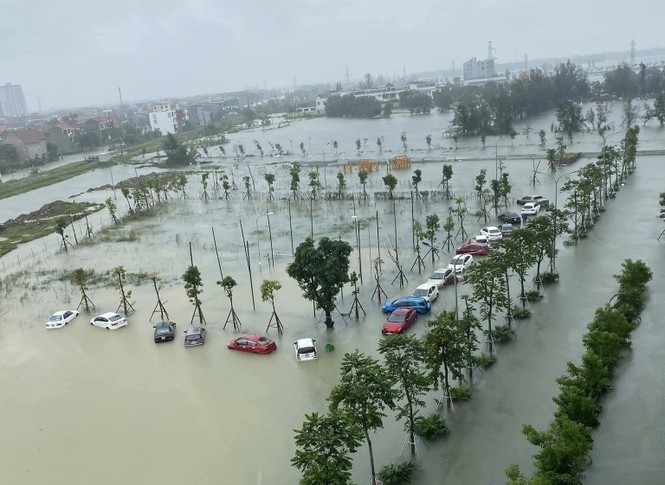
[305, 349]
[473, 248]
[419, 304]
[461, 263]
[61, 318]
[256, 344]
[441, 277]
[399, 321]
[536, 199]
[428, 291]
[195, 336]
[164, 331]
[492, 233]
[109, 321]
[530, 209]
[506, 229]
[510, 218]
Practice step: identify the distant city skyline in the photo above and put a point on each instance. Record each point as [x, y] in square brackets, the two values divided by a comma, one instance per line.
[179, 48]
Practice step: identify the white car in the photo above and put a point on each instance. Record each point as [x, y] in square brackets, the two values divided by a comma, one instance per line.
[429, 292]
[530, 209]
[481, 239]
[109, 321]
[61, 318]
[492, 233]
[305, 349]
[461, 263]
[441, 277]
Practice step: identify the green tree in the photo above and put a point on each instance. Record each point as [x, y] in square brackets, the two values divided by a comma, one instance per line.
[416, 178]
[445, 341]
[390, 181]
[447, 175]
[404, 357]
[659, 109]
[488, 286]
[294, 171]
[270, 180]
[358, 145]
[80, 278]
[324, 444]
[362, 176]
[113, 210]
[403, 138]
[314, 183]
[428, 140]
[321, 272]
[193, 289]
[176, 153]
[61, 224]
[364, 391]
[341, 184]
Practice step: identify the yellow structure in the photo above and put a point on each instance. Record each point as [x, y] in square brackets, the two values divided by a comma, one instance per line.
[400, 162]
[367, 165]
[347, 168]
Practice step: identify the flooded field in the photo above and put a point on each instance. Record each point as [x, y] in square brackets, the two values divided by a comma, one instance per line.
[84, 405]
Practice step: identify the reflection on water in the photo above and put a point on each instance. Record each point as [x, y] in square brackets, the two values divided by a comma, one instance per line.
[82, 405]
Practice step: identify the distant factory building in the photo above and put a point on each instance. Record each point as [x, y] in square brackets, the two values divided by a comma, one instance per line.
[475, 69]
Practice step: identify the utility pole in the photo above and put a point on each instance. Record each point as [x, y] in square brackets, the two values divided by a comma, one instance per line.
[632, 52]
[122, 137]
[348, 82]
[526, 61]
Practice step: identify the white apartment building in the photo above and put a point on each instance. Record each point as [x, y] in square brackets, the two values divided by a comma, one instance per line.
[163, 118]
[12, 101]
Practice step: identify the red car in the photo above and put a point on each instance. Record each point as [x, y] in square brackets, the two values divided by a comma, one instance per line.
[257, 344]
[399, 321]
[473, 248]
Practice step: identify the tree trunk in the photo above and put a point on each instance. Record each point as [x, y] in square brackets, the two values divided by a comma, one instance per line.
[371, 458]
[412, 424]
[329, 321]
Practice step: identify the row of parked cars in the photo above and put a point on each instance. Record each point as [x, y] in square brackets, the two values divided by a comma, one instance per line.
[165, 331]
[404, 311]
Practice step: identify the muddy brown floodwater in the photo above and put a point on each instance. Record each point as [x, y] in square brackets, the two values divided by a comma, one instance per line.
[85, 405]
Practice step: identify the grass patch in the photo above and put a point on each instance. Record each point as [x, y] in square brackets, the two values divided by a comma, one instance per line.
[40, 223]
[45, 178]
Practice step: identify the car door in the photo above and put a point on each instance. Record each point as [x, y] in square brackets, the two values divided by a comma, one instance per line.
[433, 293]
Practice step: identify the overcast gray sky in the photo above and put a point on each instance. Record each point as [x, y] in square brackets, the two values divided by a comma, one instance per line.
[78, 52]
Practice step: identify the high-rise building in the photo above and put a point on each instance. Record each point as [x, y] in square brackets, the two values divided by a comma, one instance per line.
[12, 100]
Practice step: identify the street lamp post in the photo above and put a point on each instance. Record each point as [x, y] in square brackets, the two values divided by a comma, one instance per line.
[258, 239]
[272, 253]
[360, 267]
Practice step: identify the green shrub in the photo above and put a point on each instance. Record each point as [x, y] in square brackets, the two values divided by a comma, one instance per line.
[484, 361]
[397, 473]
[548, 277]
[462, 393]
[431, 427]
[520, 313]
[533, 295]
[502, 334]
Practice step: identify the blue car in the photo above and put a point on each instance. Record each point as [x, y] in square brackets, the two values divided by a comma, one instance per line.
[419, 304]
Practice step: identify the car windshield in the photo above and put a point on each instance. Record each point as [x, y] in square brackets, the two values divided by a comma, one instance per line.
[494, 231]
[162, 330]
[436, 276]
[55, 318]
[264, 340]
[396, 318]
[115, 318]
[306, 350]
[193, 336]
[420, 292]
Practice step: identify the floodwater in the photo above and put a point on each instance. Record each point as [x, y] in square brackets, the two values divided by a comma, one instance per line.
[85, 405]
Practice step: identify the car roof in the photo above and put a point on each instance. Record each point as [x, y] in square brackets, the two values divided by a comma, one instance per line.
[109, 314]
[490, 228]
[195, 330]
[305, 342]
[399, 311]
[414, 298]
[164, 323]
[425, 286]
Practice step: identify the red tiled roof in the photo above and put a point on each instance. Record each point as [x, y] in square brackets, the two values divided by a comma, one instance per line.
[29, 136]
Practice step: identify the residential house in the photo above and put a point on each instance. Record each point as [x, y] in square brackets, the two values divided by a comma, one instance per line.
[63, 136]
[30, 143]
